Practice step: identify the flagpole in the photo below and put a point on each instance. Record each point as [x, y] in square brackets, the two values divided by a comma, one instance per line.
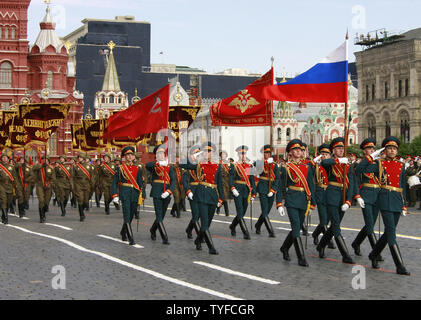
[346, 129]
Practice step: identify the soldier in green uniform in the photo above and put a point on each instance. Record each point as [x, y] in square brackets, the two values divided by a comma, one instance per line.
[63, 184]
[117, 163]
[82, 176]
[391, 199]
[98, 182]
[163, 181]
[226, 167]
[7, 185]
[297, 189]
[142, 168]
[73, 201]
[44, 176]
[106, 174]
[128, 186]
[178, 190]
[267, 187]
[20, 185]
[242, 186]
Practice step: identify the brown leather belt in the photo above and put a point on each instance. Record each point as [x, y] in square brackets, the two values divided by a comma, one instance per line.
[323, 186]
[211, 185]
[390, 188]
[296, 188]
[240, 182]
[159, 181]
[127, 185]
[370, 185]
[336, 184]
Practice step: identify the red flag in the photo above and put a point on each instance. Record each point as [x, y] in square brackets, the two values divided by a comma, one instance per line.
[145, 116]
[245, 108]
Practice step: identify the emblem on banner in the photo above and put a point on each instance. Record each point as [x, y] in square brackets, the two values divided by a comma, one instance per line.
[244, 101]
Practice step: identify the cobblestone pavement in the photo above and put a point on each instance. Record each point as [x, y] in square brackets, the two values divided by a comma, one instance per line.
[97, 265]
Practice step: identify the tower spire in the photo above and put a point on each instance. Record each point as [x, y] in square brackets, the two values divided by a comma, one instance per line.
[111, 82]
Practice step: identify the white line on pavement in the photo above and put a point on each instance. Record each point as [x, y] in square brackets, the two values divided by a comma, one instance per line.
[131, 265]
[15, 215]
[58, 226]
[226, 222]
[118, 240]
[236, 273]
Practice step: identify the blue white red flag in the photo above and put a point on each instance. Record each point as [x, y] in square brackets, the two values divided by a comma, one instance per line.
[327, 81]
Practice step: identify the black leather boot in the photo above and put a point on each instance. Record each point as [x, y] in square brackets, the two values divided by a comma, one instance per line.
[117, 206]
[4, 217]
[63, 209]
[397, 258]
[107, 208]
[232, 226]
[26, 205]
[163, 233]
[243, 226]
[378, 248]
[137, 212]
[226, 209]
[373, 240]
[316, 234]
[153, 230]
[300, 252]
[258, 224]
[129, 233]
[209, 243]
[327, 237]
[21, 208]
[286, 245]
[173, 210]
[304, 230]
[190, 229]
[346, 258]
[12, 207]
[177, 209]
[123, 233]
[198, 241]
[41, 215]
[269, 227]
[358, 240]
[97, 201]
[81, 213]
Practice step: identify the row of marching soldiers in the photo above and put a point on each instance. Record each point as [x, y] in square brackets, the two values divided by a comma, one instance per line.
[298, 187]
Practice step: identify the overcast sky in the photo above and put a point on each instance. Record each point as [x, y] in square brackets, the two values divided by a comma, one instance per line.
[220, 34]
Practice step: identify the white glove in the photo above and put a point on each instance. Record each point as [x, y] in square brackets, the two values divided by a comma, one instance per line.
[376, 154]
[252, 198]
[163, 163]
[270, 194]
[403, 213]
[270, 160]
[343, 160]
[318, 159]
[165, 195]
[219, 204]
[235, 193]
[116, 200]
[197, 154]
[281, 211]
[361, 202]
[345, 207]
[190, 195]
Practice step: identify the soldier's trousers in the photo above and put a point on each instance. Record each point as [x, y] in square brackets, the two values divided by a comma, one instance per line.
[207, 211]
[20, 194]
[63, 194]
[161, 206]
[98, 193]
[241, 205]
[28, 191]
[266, 204]
[335, 216]
[83, 196]
[129, 209]
[296, 218]
[390, 220]
[322, 212]
[106, 190]
[370, 214]
[44, 195]
[5, 199]
[194, 206]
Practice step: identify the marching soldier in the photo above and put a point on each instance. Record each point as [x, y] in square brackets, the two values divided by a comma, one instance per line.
[117, 163]
[29, 180]
[163, 184]
[391, 200]
[298, 183]
[336, 205]
[63, 183]
[106, 174]
[7, 185]
[142, 168]
[82, 177]
[178, 190]
[44, 176]
[209, 174]
[128, 182]
[20, 185]
[267, 187]
[369, 187]
[98, 182]
[242, 186]
[190, 183]
[226, 167]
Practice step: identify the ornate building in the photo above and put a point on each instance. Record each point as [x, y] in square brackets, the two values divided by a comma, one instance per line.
[389, 75]
[40, 73]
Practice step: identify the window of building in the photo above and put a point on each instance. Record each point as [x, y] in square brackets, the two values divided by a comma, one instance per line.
[400, 88]
[371, 121]
[111, 99]
[373, 91]
[386, 90]
[12, 33]
[279, 134]
[6, 75]
[367, 94]
[288, 134]
[404, 121]
[6, 33]
[387, 123]
[406, 87]
[50, 80]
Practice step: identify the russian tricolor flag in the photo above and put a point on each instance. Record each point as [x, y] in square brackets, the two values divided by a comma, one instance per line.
[327, 81]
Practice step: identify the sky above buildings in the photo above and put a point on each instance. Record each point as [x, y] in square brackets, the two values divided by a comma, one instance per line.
[221, 34]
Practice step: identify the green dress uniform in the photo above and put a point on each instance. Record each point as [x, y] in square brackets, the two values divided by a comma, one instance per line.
[226, 169]
[297, 191]
[44, 176]
[178, 190]
[334, 196]
[20, 171]
[106, 174]
[30, 183]
[266, 171]
[128, 185]
[7, 188]
[162, 181]
[63, 184]
[391, 202]
[82, 177]
[98, 189]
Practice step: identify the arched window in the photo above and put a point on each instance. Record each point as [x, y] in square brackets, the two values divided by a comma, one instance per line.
[6, 33]
[6, 75]
[111, 99]
[387, 124]
[279, 134]
[13, 33]
[50, 80]
[288, 134]
[404, 120]
[371, 121]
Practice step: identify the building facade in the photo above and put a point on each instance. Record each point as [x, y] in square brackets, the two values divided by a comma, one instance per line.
[389, 76]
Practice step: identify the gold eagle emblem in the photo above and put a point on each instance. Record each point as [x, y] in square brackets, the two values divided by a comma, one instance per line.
[244, 101]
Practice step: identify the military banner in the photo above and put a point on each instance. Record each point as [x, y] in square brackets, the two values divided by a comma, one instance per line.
[94, 129]
[78, 136]
[41, 120]
[180, 118]
[246, 108]
[12, 132]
